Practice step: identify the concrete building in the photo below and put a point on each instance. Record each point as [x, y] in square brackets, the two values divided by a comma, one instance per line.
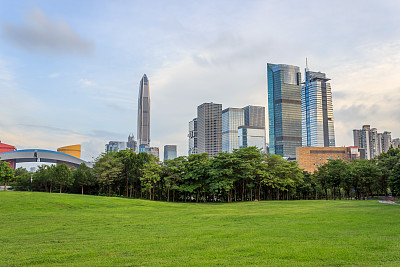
[143, 118]
[396, 142]
[371, 141]
[192, 137]
[232, 118]
[170, 152]
[209, 128]
[317, 111]
[284, 109]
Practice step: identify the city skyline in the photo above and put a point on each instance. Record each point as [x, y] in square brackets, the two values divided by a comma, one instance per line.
[73, 78]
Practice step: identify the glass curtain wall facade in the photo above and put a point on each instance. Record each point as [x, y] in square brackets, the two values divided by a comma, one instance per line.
[254, 116]
[209, 128]
[170, 152]
[143, 119]
[317, 111]
[284, 109]
[252, 136]
[232, 118]
[192, 137]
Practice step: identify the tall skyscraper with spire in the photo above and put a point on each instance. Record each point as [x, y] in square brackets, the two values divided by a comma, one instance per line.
[317, 111]
[143, 118]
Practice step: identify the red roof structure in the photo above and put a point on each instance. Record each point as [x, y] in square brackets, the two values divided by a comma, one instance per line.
[6, 148]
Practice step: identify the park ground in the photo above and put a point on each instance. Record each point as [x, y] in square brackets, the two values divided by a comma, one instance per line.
[62, 229]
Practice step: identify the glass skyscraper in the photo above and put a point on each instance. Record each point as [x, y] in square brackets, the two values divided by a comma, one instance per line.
[317, 111]
[232, 118]
[284, 109]
[143, 119]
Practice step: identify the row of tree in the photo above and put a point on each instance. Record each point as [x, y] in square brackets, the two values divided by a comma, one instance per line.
[243, 175]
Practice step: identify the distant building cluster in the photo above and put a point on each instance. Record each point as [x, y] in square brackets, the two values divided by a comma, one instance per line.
[372, 142]
[143, 127]
[216, 130]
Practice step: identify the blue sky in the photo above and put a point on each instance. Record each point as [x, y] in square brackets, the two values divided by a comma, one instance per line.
[70, 70]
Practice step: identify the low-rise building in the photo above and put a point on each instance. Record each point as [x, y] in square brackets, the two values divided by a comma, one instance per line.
[310, 158]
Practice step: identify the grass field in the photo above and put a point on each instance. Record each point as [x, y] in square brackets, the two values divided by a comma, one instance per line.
[62, 229]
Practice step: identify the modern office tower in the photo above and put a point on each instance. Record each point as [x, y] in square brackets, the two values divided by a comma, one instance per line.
[192, 136]
[284, 109]
[254, 116]
[143, 119]
[317, 111]
[396, 142]
[252, 136]
[209, 128]
[386, 141]
[170, 152]
[115, 146]
[232, 118]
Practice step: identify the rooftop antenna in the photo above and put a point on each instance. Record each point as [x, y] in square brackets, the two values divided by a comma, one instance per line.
[306, 64]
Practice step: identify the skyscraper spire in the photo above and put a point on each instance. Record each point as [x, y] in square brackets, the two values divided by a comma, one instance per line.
[143, 119]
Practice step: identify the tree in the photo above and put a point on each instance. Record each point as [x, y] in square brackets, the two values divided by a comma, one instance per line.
[395, 180]
[108, 168]
[22, 179]
[172, 171]
[83, 176]
[151, 176]
[6, 173]
[63, 175]
[195, 174]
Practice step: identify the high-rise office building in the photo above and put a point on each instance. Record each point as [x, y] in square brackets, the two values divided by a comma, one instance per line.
[232, 118]
[170, 152]
[192, 137]
[284, 109]
[252, 136]
[317, 111]
[143, 119]
[209, 128]
[254, 116]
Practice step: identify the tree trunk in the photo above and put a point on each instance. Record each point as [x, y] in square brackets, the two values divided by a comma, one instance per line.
[60, 188]
[259, 192]
[127, 185]
[168, 194]
[277, 194]
[82, 190]
[5, 186]
[243, 191]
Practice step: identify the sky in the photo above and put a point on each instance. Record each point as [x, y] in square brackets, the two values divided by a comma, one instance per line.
[70, 70]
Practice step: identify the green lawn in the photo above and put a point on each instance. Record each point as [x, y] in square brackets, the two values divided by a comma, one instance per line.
[62, 229]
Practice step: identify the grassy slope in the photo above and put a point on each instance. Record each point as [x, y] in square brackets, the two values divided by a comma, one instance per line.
[50, 229]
